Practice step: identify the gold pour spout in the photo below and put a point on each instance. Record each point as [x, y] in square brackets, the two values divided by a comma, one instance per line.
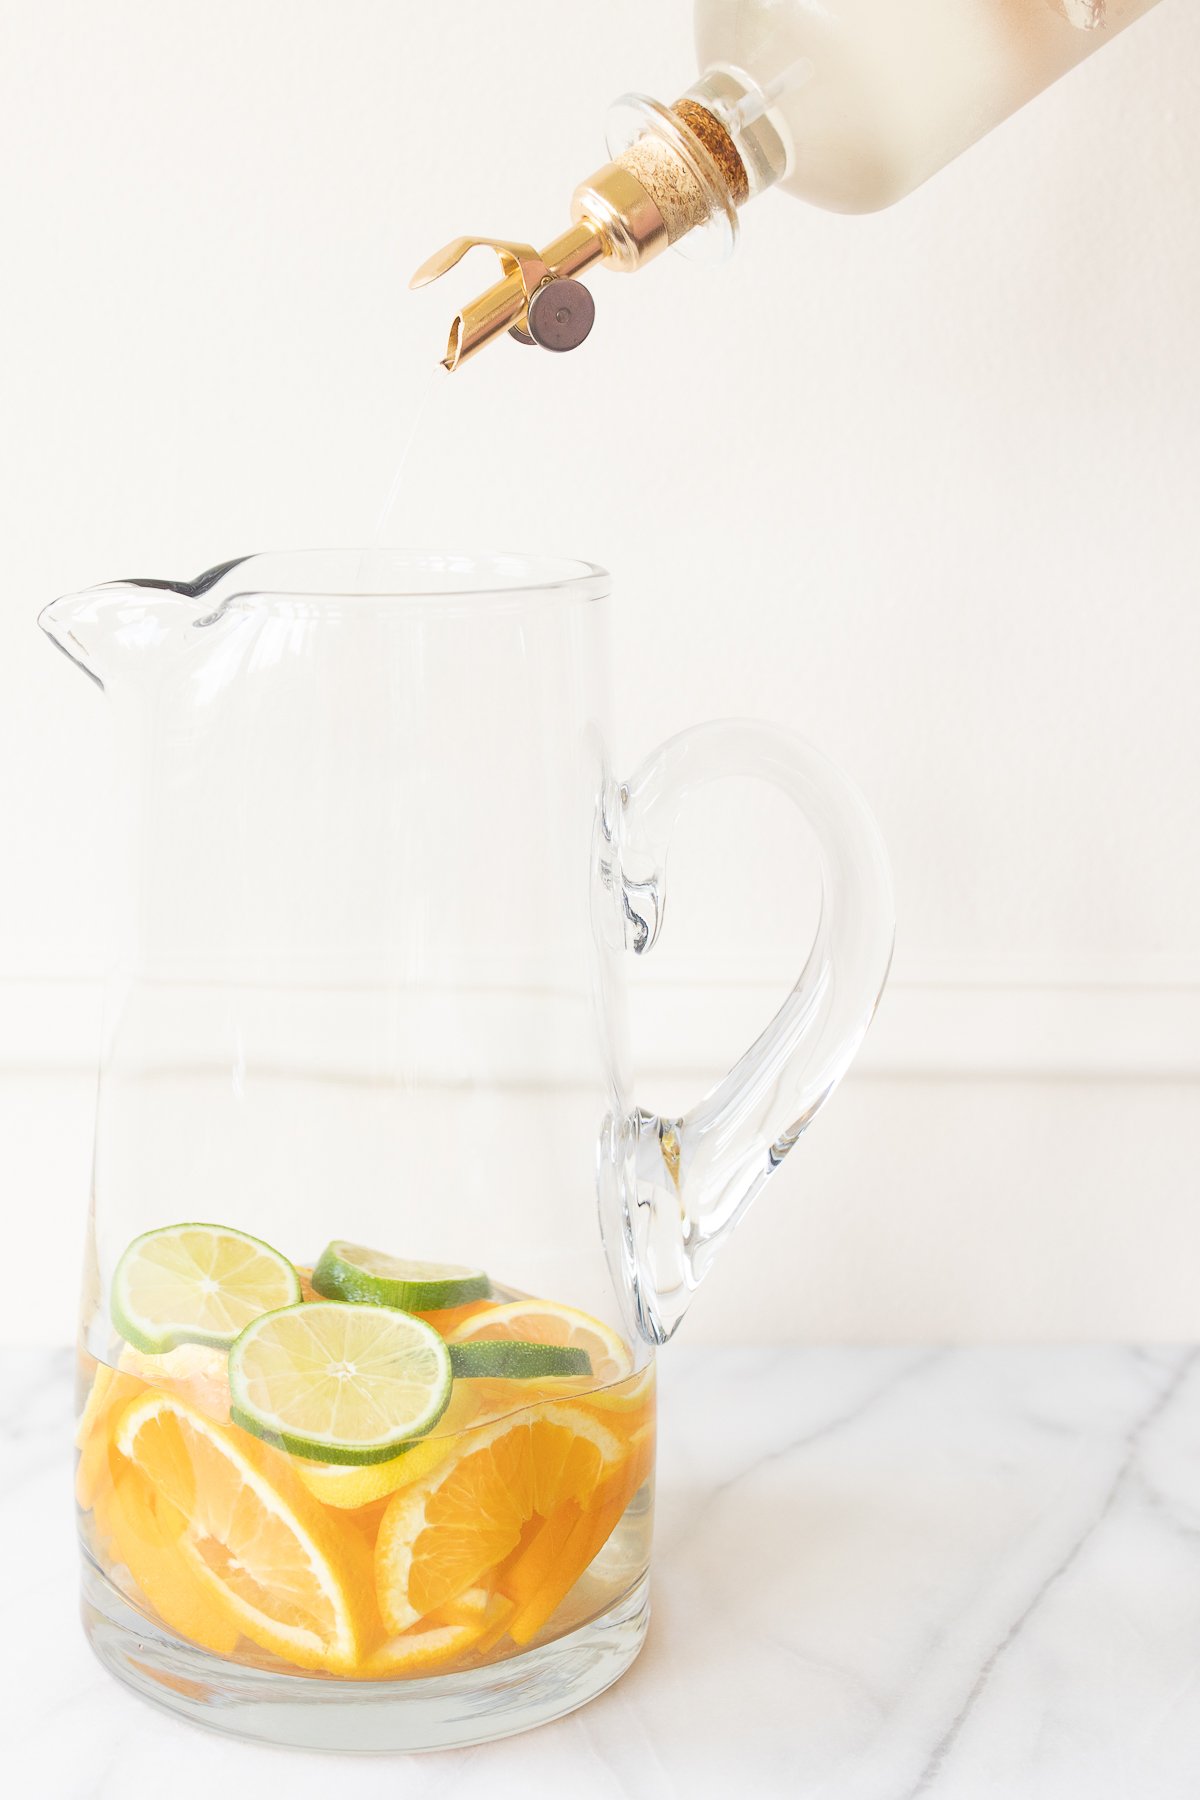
[538, 300]
[681, 171]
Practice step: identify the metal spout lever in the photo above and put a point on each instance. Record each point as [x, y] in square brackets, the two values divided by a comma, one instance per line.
[537, 300]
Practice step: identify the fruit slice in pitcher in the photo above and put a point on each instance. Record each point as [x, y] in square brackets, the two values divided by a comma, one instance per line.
[339, 1383]
[447, 1533]
[256, 1543]
[546, 1322]
[470, 1625]
[369, 1277]
[197, 1284]
[144, 1533]
[351, 1485]
[508, 1359]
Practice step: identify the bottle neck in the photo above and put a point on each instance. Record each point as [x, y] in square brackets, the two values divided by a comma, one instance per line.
[692, 165]
[745, 115]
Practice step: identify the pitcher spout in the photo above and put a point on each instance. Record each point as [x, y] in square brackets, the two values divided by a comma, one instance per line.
[106, 629]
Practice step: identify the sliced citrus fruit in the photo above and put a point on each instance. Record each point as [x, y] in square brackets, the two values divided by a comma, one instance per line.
[474, 1622]
[337, 1382]
[307, 1290]
[513, 1360]
[197, 1284]
[446, 1319]
[445, 1533]
[577, 1537]
[143, 1531]
[251, 1536]
[198, 1372]
[361, 1484]
[93, 1407]
[546, 1322]
[370, 1277]
[573, 1536]
[110, 1391]
[631, 1395]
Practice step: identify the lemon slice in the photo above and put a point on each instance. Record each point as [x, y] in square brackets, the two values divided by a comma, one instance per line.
[339, 1383]
[258, 1545]
[197, 1284]
[546, 1322]
[354, 1272]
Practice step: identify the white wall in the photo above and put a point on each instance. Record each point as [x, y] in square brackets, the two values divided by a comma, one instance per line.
[923, 485]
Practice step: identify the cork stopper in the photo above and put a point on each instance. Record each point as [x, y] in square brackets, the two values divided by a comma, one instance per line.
[719, 145]
[678, 169]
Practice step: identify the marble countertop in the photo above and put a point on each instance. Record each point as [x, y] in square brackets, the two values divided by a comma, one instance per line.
[879, 1574]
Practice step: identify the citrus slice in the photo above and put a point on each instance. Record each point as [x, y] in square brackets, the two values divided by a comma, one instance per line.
[473, 1622]
[633, 1395]
[513, 1360]
[576, 1538]
[197, 1372]
[197, 1284]
[110, 1392]
[444, 1534]
[307, 1290]
[347, 1485]
[256, 1543]
[371, 1278]
[94, 1407]
[446, 1319]
[337, 1382]
[143, 1532]
[546, 1322]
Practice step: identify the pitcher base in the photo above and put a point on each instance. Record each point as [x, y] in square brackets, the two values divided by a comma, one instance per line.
[310, 1712]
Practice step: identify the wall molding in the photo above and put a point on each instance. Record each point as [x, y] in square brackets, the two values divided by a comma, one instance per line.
[1139, 1022]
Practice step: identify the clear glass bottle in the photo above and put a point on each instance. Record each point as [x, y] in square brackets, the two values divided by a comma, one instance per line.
[849, 104]
[863, 100]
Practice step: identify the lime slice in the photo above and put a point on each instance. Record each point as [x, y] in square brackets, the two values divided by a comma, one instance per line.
[348, 1485]
[339, 1383]
[549, 1322]
[353, 1272]
[513, 1360]
[196, 1284]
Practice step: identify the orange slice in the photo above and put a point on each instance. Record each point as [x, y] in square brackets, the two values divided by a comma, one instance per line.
[472, 1623]
[143, 1531]
[196, 1372]
[570, 1542]
[632, 1396]
[307, 1290]
[94, 1406]
[110, 1391]
[448, 1318]
[251, 1536]
[546, 1322]
[448, 1532]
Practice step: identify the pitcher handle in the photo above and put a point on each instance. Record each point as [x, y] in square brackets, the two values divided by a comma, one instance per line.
[673, 1189]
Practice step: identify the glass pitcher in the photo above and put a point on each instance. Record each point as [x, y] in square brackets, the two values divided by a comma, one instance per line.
[366, 1429]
